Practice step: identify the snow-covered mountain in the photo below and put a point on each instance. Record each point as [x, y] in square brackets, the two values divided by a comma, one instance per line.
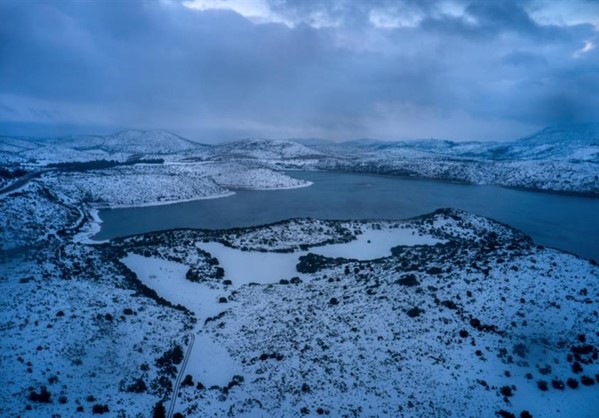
[149, 142]
[559, 158]
[575, 142]
[267, 149]
[90, 147]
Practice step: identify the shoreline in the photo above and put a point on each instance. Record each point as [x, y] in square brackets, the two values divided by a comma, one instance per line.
[95, 225]
[571, 193]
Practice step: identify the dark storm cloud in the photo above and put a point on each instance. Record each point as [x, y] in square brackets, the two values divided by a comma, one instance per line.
[337, 69]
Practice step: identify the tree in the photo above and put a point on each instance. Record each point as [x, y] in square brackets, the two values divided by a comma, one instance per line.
[159, 411]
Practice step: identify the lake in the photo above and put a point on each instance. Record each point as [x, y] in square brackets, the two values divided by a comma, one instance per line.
[567, 222]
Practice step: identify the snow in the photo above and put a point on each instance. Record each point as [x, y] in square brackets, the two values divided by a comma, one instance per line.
[244, 267]
[209, 362]
[75, 312]
[373, 243]
[562, 158]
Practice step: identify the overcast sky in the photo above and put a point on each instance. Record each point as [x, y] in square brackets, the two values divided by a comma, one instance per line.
[336, 69]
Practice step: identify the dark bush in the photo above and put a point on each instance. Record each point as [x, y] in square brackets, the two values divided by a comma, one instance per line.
[172, 356]
[42, 397]
[311, 263]
[188, 381]
[192, 275]
[222, 299]
[475, 322]
[159, 411]
[541, 384]
[62, 399]
[572, 383]
[283, 281]
[576, 367]
[414, 312]
[506, 391]
[449, 304]
[219, 273]
[128, 311]
[59, 313]
[408, 280]
[464, 333]
[434, 270]
[505, 414]
[520, 350]
[587, 381]
[333, 301]
[139, 386]
[306, 388]
[98, 409]
[295, 280]
[525, 414]
[558, 384]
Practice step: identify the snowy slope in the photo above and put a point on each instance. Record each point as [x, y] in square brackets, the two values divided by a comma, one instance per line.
[561, 142]
[117, 146]
[266, 149]
[470, 326]
[148, 142]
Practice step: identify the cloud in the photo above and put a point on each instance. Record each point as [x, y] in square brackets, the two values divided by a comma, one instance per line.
[338, 69]
[588, 47]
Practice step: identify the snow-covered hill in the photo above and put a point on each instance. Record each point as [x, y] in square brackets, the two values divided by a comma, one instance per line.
[120, 145]
[148, 142]
[266, 149]
[448, 314]
[561, 142]
[560, 158]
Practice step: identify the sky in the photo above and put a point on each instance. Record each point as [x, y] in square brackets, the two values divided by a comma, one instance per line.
[215, 70]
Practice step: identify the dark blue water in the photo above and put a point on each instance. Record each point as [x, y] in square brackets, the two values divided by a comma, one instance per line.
[567, 222]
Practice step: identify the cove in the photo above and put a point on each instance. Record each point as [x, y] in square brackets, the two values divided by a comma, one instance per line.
[567, 222]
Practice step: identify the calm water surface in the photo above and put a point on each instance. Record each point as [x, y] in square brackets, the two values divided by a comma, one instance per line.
[567, 222]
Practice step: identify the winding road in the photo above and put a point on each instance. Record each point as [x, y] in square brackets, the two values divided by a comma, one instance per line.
[22, 181]
[171, 409]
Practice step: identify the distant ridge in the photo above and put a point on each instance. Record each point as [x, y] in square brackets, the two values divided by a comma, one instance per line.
[261, 148]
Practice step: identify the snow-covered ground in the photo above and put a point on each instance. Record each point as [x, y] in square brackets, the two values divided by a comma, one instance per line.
[414, 333]
[448, 314]
[443, 315]
[208, 361]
